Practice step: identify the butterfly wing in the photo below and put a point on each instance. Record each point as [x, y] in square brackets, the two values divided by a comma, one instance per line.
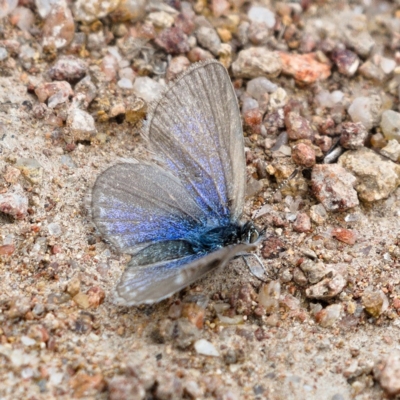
[134, 205]
[195, 129]
[150, 283]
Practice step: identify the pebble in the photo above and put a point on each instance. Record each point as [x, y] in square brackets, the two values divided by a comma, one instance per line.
[96, 296]
[359, 40]
[298, 127]
[209, 39]
[390, 125]
[23, 18]
[318, 214]
[347, 62]
[332, 185]
[161, 19]
[305, 68]
[371, 71]
[302, 223]
[125, 83]
[314, 271]
[30, 169]
[366, 110]
[3, 53]
[303, 154]
[277, 100]
[86, 88]
[257, 61]
[58, 28]
[129, 10]
[55, 93]
[135, 110]
[252, 121]
[81, 124]
[54, 229]
[176, 66]
[377, 177]
[206, 348]
[68, 68]
[387, 372]
[344, 235]
[375, 302]
[353, 135]
[7, 7]
[125, 388]
[173, 41]
[147, 88]
[7, 249]
[11, 174]
[387, 65]
[74, 285]
[328, 288]
[90, 10]
[81, 300]
[329, 99]
[262, 15]
[44, 6]
[329, 315]
[199, 54]
[268, 296]
[257, 87]
[391, 150]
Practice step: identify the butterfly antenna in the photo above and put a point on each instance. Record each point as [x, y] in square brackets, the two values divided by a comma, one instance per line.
[280, 186]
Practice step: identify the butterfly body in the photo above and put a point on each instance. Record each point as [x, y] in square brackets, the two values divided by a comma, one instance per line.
[180, 215]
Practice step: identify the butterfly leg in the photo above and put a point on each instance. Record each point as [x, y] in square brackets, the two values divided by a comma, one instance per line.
[257, 269]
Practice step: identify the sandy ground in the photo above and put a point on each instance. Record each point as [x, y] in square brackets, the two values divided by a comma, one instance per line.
[54, 345]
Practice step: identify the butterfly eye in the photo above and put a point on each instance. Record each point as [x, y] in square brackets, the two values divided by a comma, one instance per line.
[254, 235]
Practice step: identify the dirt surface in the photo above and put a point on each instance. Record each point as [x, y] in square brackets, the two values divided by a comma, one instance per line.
[60, 335]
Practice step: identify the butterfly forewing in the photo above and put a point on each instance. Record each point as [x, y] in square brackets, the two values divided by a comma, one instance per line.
[195, 129]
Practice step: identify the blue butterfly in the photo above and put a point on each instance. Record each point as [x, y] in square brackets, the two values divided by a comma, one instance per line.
[179, 216]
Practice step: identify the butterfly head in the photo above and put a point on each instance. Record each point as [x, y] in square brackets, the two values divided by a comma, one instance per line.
[250, 234]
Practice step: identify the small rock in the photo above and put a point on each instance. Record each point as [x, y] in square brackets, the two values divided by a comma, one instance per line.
[11, 174]
[314, 271]
[7, 7]
[59, 27]
[194, 314]
[299, 277]
[22, 17]
[81, 124]
[298, 127]
[346, 61]
[54, 229]
[359, 40]
[262, 15]
[304, 155]
[135, 110]
[82, 384]
[18, 307]
[391, 150]
[328, 288]
[209, 39]
[375, 302]
[147, 88]
[176, 66]
[387, 372]
[328, 99]
[90, 10]
[7, 249]
[387, 65]
[329, 315]
[371, 71]
[30, 169]
[86, 88]
[168, 387]
[206, 348]
[268, 296]
[252, 120]
[318, 214]
[305, 68]
[125, 388]
[344, 235]
[199, 54]
[81, 300]
[74, 285]
[68, 68]
[160, 19]
[173, 41]
[377, 177]
[333, 187]
[272, 247]
[366, 110]
[302, 223]
[55, 92]
[96, 296]
[353, 135]
[129, 10]
[258, 87]
[257, 61]
[390, 125]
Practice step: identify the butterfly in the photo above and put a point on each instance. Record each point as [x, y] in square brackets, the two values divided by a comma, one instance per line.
[179, 216]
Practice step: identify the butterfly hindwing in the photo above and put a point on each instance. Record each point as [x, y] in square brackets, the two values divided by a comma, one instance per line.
[149, 283]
